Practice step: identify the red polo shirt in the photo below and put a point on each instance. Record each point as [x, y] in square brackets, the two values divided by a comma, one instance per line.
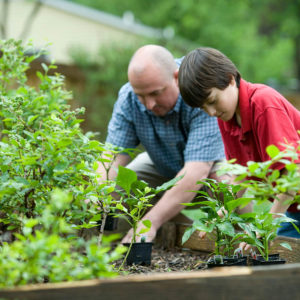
[267, 118]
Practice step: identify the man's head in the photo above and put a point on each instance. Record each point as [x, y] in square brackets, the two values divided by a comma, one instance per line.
[208, 79]
[152, 73]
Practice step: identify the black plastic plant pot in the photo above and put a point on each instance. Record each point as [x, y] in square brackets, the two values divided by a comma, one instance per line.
[273, 259]
[111, 223]
[140, 254]
[220, 261]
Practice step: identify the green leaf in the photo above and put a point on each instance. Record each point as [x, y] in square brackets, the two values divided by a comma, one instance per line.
[286, 245]
[144, 230]
[240, 202]
[194, 214]
[168, 184]
[31, 223]
[272, 151]
[126, 178]
[203, 227]
[226, 228]
[31, 119]
[187, 234]
[61, 166]
[253, 166]
[291, 167]
[121, 207]
[147, 223]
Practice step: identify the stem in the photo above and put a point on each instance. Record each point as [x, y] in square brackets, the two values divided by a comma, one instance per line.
[102, 227]
[266, 249]
[217, 242]
[133, 240]
[29, 213]
[127, 253]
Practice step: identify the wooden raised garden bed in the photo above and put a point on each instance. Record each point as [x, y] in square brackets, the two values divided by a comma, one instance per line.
[272, 282]
[260, 282]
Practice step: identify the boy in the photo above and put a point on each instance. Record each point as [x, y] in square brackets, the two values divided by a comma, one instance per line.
[250, 116]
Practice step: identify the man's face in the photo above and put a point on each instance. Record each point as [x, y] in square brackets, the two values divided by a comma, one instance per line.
[222, 103]
[156, 91]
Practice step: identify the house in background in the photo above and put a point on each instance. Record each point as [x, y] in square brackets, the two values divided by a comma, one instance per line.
[65, 24]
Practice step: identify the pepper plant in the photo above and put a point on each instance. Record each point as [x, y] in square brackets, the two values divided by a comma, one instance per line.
[216, 215]
[263, 182]
[261, 227]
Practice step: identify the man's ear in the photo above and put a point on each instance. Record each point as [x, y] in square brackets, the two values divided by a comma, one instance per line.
[176, 76]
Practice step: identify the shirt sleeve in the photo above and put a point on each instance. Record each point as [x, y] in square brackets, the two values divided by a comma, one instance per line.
[204, 141]
[121, 128]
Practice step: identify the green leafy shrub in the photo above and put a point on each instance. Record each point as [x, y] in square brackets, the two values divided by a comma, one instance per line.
[42, 146]
[51, 253]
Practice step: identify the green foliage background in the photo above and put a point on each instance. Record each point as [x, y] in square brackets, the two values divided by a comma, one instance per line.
[261, 37]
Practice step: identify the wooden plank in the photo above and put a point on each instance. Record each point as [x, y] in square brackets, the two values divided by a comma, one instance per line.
[290, 256]
[166, 236]
[272, 282]
[206, 244]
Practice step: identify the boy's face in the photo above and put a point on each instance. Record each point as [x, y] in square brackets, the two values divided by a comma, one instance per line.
[222, 103]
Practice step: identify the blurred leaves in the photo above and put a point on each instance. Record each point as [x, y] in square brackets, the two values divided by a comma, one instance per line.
[252, 33]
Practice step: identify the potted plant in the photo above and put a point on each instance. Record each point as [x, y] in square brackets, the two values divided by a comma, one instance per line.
[105, 199]
[135, 197]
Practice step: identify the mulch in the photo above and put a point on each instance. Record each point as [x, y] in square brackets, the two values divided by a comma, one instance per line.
[172, 260]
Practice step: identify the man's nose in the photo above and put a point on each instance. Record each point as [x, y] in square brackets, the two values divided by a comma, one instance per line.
[149, 103]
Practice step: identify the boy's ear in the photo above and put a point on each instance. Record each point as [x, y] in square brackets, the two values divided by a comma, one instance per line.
[232, 82]
[176, 76]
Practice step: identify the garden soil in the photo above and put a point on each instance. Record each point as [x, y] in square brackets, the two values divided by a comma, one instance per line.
[173, 260]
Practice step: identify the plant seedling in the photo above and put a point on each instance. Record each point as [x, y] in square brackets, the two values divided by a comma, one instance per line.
[135, 197]
[261, 227]
[216, 214]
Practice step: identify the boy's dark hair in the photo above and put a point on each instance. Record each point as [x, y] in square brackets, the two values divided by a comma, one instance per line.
[203, 69]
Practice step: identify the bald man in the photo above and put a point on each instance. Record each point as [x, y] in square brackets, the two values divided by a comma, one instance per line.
[178, 139]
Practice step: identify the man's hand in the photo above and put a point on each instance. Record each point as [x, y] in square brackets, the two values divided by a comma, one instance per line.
[149, 235]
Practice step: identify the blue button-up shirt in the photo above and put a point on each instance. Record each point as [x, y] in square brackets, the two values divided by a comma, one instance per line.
[183, 134]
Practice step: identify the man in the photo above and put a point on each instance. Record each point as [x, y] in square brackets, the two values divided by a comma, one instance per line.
[179, 140]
